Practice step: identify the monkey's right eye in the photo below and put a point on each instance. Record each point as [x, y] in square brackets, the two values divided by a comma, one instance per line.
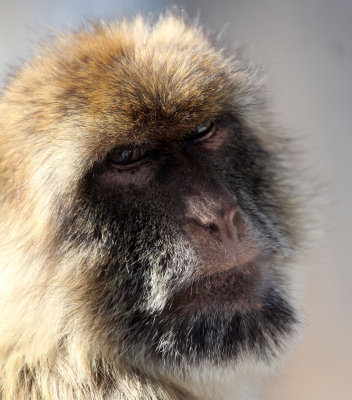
[126, 156]
[203, 132]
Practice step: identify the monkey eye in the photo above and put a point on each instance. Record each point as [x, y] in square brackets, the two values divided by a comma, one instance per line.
[126, 156]
[203, 131]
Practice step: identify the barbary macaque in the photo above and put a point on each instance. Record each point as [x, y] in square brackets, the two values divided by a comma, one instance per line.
[149, 223]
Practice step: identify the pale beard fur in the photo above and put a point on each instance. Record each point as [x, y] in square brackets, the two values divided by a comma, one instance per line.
[101, 295]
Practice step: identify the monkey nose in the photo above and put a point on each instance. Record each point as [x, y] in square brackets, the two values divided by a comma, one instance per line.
[227, 225]
[231, 222]
[224, 239]
[237, 237]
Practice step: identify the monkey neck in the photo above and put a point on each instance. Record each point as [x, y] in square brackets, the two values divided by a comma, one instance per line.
[64, 376]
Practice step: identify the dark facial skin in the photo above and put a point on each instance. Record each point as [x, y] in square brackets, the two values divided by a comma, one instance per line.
[191, 245]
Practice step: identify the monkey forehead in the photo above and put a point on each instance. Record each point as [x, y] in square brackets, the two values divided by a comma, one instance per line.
[130, 80]
[161, 80]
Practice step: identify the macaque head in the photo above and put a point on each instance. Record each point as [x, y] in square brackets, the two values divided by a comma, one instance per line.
[144, 203]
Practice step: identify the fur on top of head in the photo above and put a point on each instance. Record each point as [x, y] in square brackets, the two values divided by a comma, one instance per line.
[162, 80]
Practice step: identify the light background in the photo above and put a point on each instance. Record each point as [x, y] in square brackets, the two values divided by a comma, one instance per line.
[308, 48]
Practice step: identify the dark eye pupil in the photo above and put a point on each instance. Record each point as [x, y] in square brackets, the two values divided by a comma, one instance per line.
[123, 157]
[126, 156]
[202, 131]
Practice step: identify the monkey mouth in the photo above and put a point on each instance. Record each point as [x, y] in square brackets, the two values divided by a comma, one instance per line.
[235, 289]
[220, 316]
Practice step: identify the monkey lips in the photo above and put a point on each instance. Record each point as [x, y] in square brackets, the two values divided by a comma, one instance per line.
[236, 289]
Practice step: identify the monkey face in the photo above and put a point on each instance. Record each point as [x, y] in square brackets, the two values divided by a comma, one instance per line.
[167, 207]
[191, 241]
[193, 255]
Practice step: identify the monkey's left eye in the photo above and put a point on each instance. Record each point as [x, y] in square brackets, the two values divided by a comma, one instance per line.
[203, 131]
[127, 156]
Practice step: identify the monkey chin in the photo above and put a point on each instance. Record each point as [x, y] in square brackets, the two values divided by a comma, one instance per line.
[220, 319]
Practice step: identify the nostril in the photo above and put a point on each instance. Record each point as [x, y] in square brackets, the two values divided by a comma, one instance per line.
[213, 227]
[210, 227]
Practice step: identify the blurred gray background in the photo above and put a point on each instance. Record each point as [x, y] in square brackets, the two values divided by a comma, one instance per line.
[307, 46]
